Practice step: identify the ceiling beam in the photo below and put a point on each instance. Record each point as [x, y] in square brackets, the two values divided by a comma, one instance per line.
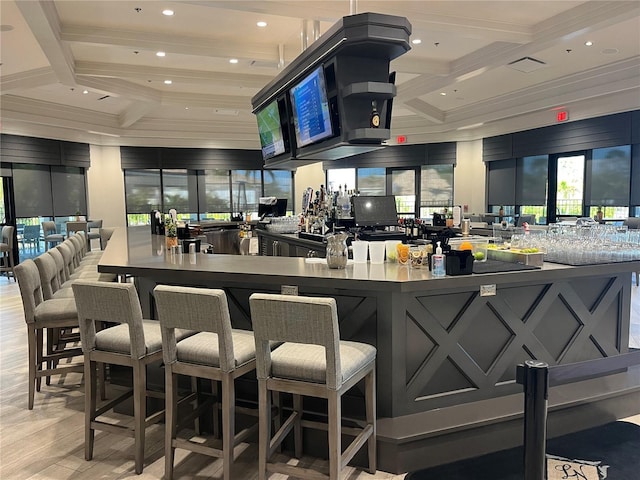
[135, 112]
[425, 110]
[44, 23]
[38, 77]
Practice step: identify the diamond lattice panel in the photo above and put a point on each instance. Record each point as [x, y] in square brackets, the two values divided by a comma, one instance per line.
[557, 328]
[485, 339]
[418, 347]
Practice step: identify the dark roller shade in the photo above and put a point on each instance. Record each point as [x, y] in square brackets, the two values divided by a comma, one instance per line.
[610, 176]
[32, 186]
[532, 176]
[69, 191]
[502, 182]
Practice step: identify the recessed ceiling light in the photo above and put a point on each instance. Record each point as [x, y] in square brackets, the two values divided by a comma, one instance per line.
[261, 24]
[168, 82]
[416, 41]
[233, 60]
[168, 12]
[186, 108]
[85, 91]
[443, 93]
[161, 54]
[589, 43]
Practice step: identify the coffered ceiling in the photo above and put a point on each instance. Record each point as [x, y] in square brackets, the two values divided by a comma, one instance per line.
[88, 71]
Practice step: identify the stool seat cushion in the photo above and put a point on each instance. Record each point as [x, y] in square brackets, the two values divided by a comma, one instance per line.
[202, 348]
[4, 247]
[116, 339]
[65, 292]
[56, 309]
[299, 361]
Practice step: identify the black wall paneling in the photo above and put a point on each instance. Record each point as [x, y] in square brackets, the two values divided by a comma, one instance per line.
[635, 127]
[190, 158]
[400, 156]
[5, 170]
[43, 151]
[497, 148]
[600, 132]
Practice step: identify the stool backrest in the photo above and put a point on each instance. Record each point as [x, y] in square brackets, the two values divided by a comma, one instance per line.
[48, 228]
[105, 236]
[67, 252]
[30, 289]
[109, 302]
[56, 254]
[199, 309]
[7, 235]
[48, 272]
[287, 318]
[77, 241]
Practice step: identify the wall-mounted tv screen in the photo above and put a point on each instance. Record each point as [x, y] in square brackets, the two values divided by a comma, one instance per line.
[375, 211]
[270, 129]
[311, 117]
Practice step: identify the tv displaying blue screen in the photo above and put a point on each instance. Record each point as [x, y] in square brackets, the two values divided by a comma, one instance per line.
[270, 129]
[311, 117]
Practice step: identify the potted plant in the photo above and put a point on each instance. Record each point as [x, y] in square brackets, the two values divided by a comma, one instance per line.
[170, 232]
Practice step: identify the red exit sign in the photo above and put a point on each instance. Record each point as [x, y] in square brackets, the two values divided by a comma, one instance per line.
[562, 115]
[401, 139]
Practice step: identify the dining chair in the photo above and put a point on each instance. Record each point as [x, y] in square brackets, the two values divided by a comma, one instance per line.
[6, 248]
[50, 234]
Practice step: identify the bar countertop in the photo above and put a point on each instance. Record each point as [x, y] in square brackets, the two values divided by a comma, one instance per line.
[136, 251]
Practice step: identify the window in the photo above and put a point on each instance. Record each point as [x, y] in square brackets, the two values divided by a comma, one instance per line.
[570, 185]
[279, 184]
[180, 191]
[142, 194]
[610, 185]
[33, 195]
[69, 191]
[339, 177]
[372, 181]
[436, 189]
[532, 181]
[403, 186]
[215, 197]
[246, 190]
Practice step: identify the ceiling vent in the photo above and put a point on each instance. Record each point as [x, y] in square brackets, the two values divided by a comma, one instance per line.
[264, 64]
[226, 111]
[526, 64]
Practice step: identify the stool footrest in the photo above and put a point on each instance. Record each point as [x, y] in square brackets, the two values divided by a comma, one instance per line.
[294, 471]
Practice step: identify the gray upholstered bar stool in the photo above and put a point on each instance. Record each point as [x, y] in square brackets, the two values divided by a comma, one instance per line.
[134, 343]
[217, 352]
[41, 315]
[6, 248]
[313, 361]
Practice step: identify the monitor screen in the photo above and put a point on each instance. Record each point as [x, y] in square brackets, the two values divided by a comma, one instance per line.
[375, 211]
[270, 209]
[310, 106]
[270, 129]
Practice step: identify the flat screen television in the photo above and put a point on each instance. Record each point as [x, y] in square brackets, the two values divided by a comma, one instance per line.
[270, 130]
[310, 107]
[375, 211]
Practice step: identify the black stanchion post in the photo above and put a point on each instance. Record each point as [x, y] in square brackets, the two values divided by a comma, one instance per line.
[534, 376]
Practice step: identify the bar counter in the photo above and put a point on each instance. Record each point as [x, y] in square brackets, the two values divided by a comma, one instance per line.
[446, 354]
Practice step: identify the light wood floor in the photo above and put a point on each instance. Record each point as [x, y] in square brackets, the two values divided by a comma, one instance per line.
[48, 441]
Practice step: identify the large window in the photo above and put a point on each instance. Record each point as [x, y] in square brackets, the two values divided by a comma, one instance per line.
[213, 194]
[143, 194]
[403, 186]
[570, 185]
[279, 184]
[532, 182]
[436, 189]
[610, 182]
[339, 177]
[372, 181]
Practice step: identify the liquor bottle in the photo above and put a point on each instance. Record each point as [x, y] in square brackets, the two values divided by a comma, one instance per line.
[374, 118]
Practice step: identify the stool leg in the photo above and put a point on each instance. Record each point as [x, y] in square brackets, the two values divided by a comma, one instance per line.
[335, 447]
[38, 358]
[297, 426]
[215, 391]
[33, 347]
[370, 398]
[228, 424]
[264, 435]
[89, 406]
[171, 400]
[139, 411]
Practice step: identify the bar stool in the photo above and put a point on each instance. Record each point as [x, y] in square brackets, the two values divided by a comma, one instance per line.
[50, 234]
[41, 315]
[217, 352]
[313, 361]
[6, 248]
[133, 343]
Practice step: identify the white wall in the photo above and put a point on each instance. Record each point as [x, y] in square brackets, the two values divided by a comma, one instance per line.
[307, 176]
[469, 177]
[105, 186]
